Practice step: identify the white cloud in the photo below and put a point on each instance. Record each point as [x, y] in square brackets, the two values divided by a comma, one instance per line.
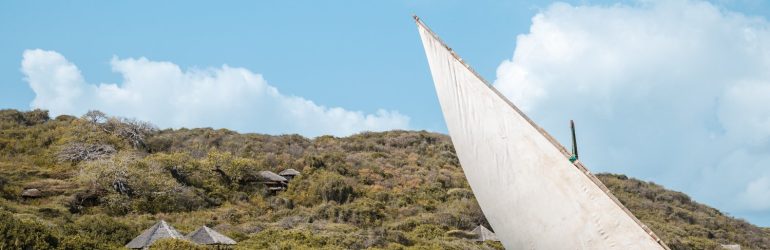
[56, 82]
[676, 91]
[165, 94]
[756, 194]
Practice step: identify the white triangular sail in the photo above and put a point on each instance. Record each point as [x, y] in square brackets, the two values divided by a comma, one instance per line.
[530, 192]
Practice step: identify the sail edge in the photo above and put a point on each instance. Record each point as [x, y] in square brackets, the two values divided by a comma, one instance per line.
[577, 164]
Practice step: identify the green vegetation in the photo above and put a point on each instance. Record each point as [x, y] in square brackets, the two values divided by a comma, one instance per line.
[104, 179]
[682, 222]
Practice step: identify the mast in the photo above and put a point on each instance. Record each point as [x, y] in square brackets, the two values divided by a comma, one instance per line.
[501, 148]
[574, 156]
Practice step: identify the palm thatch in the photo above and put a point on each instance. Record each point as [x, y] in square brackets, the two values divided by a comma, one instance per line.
[31, 193]
[160, 230]
[289, 172]
[269, 176]
[207, 236]
[483, 234]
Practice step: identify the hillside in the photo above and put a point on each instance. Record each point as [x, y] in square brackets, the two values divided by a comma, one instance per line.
[104, 179]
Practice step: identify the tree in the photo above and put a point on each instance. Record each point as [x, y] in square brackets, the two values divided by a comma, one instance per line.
[95, 116]
[135, 132]
[37, 116]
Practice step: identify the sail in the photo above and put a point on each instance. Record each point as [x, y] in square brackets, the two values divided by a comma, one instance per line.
[532, 195]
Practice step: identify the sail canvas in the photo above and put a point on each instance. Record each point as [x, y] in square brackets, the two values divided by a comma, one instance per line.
[532, 195]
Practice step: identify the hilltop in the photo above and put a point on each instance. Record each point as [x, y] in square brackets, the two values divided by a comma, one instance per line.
[104, 179]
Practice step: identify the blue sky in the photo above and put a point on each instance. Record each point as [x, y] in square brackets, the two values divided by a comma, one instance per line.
[361, 56]
[659, 89]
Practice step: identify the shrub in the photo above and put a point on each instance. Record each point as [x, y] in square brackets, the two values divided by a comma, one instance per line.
[77, 152]
[81, 242]
[426, 232]
[35, 117]
[29, 118]
[5, 193]
[461, 234]
[329, 186]
[103, 229]
[24, 234]
[290, 239]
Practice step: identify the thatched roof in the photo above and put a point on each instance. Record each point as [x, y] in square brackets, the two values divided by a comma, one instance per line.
[160, 230]
[207, 236]
[483, 234]
[289, 172]
[270, 176]
[31, 193]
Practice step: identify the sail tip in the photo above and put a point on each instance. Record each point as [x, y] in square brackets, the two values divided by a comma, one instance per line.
[415, 17]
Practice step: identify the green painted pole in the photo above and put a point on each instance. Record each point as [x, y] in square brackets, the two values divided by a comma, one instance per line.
[574, 140]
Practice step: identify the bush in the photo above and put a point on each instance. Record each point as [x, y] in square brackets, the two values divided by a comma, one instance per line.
[291, 239]
[5, 193]
[24, 234]
[461, 234]
[34, 117]
[80, 242]
[29, 118]
[103, 229]
[329, 186]
[426, 232]
[177, 199]
[77, 152]
[364, 213]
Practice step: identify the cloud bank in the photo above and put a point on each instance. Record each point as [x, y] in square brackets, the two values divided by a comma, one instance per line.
[676, 91]
[165, 94]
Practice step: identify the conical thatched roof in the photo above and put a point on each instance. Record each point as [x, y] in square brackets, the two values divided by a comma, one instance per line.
[160, 230]
[289, 172]
[270, 176]
[483, 234]
[207, 236]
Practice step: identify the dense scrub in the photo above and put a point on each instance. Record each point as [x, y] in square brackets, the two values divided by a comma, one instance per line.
[104, 179]
[682, 222]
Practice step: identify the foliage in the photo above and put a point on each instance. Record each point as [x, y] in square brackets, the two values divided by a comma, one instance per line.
[77, 152]
[105, 179]
[18, 233]
[102, 230]
[328, 186]
[680, 221]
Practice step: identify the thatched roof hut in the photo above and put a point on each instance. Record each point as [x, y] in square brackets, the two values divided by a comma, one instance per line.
[31, 193]
[289, 173]
[268, 176]
[483, 234]
[160, 230]
[207, 236]
[273, 182]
